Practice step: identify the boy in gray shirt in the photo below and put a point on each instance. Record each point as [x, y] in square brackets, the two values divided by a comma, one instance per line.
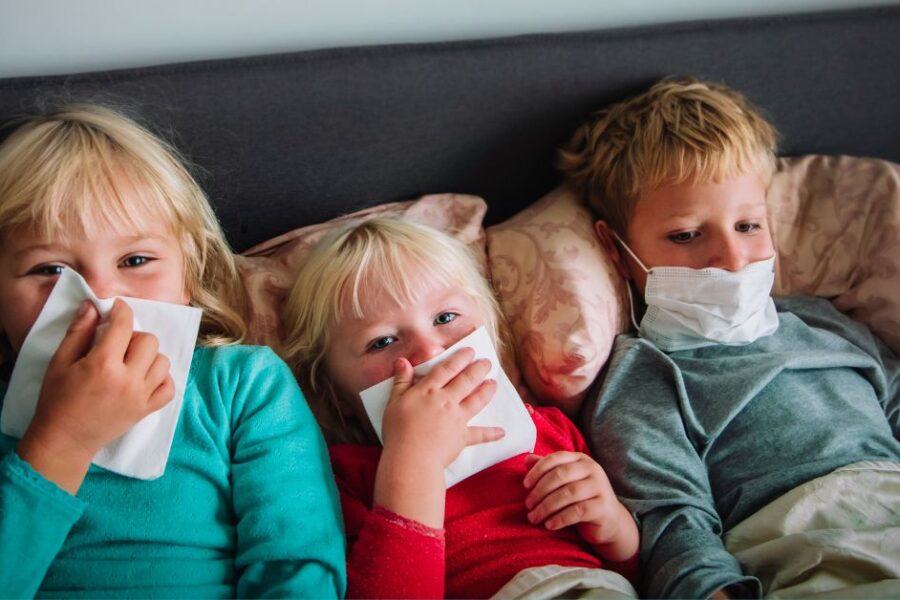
[724, 400]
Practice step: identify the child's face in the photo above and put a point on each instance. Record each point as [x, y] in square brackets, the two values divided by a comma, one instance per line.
[699, 225]
[363, 351]
[118, 261]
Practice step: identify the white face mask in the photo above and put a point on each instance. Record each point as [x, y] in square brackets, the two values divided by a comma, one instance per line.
[691, 308]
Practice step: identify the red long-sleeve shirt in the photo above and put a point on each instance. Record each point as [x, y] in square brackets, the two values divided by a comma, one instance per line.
[486, 539]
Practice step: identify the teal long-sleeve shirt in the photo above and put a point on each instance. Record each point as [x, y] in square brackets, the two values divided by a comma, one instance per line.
[247, 505]
[694, 441]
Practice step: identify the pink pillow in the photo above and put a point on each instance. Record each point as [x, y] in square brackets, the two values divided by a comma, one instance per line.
[267, 269]
[564, 300]
[836, 223]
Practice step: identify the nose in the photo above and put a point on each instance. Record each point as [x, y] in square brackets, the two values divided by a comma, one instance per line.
[423, 346]
[729, 254]
[103, 285]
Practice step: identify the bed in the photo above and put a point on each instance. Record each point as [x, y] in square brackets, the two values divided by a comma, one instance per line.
[290, 141]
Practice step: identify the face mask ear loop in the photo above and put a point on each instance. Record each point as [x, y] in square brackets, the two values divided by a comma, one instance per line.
[633, 255]
[631, 305]
[628, 283]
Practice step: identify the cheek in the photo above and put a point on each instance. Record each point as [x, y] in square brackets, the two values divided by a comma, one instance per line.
[767, 247]
[352, 374]
[171, 288]
[374, 370]
[464, 327]
[19, 313]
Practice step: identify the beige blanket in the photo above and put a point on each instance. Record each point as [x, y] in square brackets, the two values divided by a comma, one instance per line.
[554, 581]
[837, 536]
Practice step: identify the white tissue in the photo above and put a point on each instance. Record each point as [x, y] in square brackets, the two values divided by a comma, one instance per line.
[505, 410]
[143, 450]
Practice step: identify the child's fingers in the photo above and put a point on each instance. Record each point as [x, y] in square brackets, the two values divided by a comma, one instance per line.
[482, 435]
[573, 513]
[446, 371]
[559, 496]
[142, 351]
[479, 398]
[79, 336]
[469, 379]
[403, 376]
[543, 465]
[158, 370]
[162, 395]
[118, 334]
[570, 477]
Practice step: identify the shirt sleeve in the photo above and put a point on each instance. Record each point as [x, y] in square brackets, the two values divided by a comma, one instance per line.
[396, 557]
[290, 540]
[821, 313]
[636, 430]
[389, 556]
[36, 517]
[889, 398]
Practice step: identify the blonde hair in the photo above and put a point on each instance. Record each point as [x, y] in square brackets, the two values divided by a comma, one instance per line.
[349, 263]
[679, 131]
[87, 165]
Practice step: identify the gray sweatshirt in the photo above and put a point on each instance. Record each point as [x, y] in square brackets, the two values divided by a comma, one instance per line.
[694, 441]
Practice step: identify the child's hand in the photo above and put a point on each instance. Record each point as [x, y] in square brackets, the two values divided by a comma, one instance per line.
[429, 418]
[92, 395]
[570, 488]
[424, 430]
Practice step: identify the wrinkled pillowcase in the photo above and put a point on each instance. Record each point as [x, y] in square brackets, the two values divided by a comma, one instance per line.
[836, 224]
[563, 298]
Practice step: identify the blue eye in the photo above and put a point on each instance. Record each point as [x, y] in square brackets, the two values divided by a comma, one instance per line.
[747, 227]
[382, 343]
[445, 317]
[683, 237]
[47, 270]
[135, 261]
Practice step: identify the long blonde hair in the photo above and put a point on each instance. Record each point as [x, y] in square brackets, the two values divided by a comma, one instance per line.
[678, 131]
[85, 165]
[340, 268]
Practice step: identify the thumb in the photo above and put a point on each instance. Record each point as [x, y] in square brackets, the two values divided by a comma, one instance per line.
[403, 376]
[79, 336]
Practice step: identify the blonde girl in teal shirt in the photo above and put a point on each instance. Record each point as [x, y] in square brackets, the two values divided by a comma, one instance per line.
[247, 505]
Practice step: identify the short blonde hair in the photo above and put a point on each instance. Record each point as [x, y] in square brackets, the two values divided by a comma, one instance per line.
[86, 164]
[679, 131]
[346, 264]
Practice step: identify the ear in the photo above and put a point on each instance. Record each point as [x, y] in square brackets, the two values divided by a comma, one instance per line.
[608, 242]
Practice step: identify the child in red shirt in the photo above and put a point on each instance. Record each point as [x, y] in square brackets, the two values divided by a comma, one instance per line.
[375, 299]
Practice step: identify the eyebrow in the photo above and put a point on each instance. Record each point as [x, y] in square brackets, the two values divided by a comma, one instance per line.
[53, 246]
[745, 207]
[36, 248]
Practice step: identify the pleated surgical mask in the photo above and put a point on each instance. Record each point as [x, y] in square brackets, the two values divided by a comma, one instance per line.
[691, 308]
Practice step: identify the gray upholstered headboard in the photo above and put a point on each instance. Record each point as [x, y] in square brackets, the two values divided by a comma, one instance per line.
[294, 139]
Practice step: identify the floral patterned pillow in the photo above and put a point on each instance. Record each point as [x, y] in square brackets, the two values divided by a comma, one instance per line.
[836, 223]
[562, 296]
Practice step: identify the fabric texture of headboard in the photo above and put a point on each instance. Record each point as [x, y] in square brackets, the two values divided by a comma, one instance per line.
[287, 140]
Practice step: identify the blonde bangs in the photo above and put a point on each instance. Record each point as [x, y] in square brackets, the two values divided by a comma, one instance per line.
[387, 267]
[697, 133]
[78, 179]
